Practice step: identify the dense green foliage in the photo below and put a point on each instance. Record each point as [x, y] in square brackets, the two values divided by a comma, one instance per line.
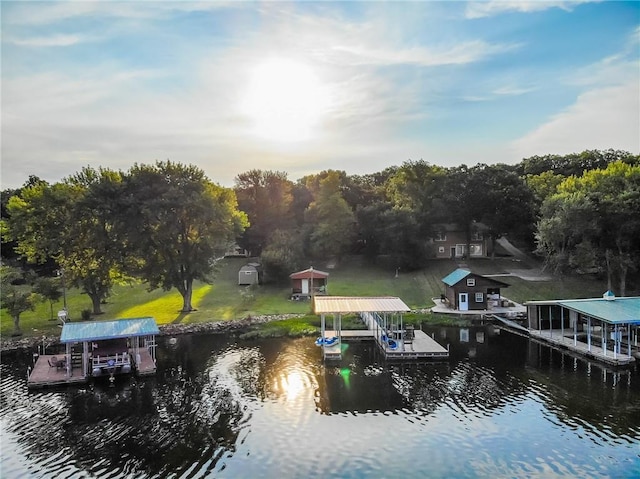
[592, 223]
[165, 225]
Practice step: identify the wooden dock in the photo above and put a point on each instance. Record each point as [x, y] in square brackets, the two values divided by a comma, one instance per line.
[555, 339]
[43, 374]
[563, 340]
[422, 346]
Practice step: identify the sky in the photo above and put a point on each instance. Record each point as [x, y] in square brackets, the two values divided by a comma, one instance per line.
[302, 87]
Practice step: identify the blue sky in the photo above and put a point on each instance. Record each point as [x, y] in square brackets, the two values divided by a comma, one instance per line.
[308, 86]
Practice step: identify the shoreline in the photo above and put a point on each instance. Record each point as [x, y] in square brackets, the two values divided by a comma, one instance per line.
[220, 326]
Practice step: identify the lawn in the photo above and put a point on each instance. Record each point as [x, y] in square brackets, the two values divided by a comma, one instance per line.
[225, 300]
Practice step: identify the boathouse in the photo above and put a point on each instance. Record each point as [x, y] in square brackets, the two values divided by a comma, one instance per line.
[99, 348]
[383, 317]
[603, 328]
[465, 291]
[308, 283]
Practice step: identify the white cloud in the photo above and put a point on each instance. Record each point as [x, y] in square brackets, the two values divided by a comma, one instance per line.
[50, 41]
[47, 13]
[461, 53]
[478, 9]
[602, 118]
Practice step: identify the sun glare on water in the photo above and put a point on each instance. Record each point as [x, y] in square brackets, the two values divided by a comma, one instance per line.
[285, 101]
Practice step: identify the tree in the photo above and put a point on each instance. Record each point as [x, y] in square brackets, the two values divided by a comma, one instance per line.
[49, 290]
[282, 255]
[575, 164]
[593, 222]
[73, 223]
[331, 221]
[502, 202]
[266, 197]
[401, 239]
[371, 235]
[92, 256]
[16, 299]
[176, 224]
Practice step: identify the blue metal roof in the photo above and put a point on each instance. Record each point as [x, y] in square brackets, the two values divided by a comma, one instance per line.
[455, 277]
[98, 330]
[625, 310]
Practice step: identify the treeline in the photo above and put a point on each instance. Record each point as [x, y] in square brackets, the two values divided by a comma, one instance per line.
[167, 223]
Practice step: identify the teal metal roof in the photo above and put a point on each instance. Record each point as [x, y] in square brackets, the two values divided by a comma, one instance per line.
[98, 330]
[455, 277]
[625, 310]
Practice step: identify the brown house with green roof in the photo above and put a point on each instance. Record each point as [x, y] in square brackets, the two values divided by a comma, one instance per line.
[466, 291]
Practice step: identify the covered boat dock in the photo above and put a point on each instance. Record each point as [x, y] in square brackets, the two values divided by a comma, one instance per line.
[384, 320]
[99, 348]
[604, 328]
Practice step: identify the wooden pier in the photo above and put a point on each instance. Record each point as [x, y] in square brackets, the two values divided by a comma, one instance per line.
[45, 374]
[383, 317]
[557, 340]
[422, 346]
[563, 339]
[98, 349]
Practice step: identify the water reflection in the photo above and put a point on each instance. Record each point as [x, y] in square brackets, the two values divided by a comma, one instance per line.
[501, 406]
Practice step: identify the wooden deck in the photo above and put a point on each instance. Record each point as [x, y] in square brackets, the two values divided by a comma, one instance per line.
[556, 339]
[43, 375]
[422, 346]
[563, 339]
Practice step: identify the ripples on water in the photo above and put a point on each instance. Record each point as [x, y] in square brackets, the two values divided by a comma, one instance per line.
[500, 407]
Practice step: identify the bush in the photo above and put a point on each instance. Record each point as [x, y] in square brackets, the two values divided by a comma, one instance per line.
[85, 315]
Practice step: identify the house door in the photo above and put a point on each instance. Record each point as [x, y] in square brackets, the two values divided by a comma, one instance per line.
[463, 301]
[305, 286]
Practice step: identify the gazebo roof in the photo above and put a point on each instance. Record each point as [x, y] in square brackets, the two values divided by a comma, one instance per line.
[309, 273]
[357, 304]
[99, 330]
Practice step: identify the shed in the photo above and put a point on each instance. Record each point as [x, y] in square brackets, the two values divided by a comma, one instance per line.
[250, 273]
[308, 282]
[466, 291]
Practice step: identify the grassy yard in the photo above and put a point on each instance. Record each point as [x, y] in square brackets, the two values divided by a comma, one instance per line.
[225, 300]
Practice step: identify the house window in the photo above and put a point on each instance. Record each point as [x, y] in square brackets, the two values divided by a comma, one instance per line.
[441, 236]
[476, 249]
[471, 281]
[461, 250]
[479, 297]
[476, 236]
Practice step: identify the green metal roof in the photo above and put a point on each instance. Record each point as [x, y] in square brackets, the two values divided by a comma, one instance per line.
[625, 310]
[99, 330]
[455, 277]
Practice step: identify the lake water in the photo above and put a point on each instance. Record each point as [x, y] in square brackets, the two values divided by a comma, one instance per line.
[500, 407]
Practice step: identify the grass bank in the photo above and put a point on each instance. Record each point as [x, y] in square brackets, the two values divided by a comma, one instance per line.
[224, 300]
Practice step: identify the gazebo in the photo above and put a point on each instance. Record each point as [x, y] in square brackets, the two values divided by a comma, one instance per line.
[308, 283]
